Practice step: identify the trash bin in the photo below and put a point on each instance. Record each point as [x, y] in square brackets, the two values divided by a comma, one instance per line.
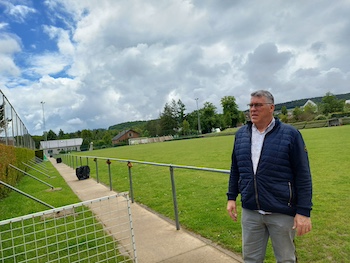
[59, 160]
[83, 172]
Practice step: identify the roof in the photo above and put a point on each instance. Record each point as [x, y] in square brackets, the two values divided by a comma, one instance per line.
[119, 135]
[310, 102]
[61, 143]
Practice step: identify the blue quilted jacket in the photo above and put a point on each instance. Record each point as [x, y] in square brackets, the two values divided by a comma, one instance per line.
[282, 183]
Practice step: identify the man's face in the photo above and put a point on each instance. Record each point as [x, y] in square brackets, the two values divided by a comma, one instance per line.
[261, 111]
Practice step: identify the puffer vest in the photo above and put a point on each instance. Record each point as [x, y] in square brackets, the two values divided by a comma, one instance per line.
[282, 182]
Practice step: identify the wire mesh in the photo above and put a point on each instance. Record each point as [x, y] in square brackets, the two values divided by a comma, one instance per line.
[98, 230]
[12, 129]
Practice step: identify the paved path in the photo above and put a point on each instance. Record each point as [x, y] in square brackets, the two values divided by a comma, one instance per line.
[157, 240]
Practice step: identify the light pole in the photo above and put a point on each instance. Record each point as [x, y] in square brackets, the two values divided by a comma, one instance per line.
[199, 121]
[45, 134]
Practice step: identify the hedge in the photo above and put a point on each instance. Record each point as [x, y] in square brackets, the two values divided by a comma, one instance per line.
[14, 156]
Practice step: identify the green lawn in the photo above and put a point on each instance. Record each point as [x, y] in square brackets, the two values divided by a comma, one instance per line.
[88, 240]
[202, 195]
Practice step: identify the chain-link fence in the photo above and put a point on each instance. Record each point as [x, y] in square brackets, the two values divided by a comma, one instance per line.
[12, 129]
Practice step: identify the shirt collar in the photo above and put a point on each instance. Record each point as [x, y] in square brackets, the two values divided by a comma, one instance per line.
[268, 128]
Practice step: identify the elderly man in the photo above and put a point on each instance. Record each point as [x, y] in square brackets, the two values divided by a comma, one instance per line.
[270, 169]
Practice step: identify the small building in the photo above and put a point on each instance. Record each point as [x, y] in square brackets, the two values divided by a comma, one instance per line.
[311, 103]
[124, 136]
[53, 147]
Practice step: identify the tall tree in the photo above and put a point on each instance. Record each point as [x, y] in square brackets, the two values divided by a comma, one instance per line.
[230, 111]
[181, 108]
[209, 117]
[168, 121]
[297, 113]
[61, 134]
[330, 104]
[51, 135]
[284, 110]
[86, 135]
[185, 127]
[152, 128]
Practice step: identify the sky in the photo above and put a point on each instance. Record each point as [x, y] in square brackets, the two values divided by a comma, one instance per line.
[98, 63]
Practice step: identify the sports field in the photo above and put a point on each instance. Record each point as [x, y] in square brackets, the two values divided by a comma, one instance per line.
[201, 195]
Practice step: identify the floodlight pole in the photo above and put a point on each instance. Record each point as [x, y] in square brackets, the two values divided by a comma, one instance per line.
[199, 121]
[42, 104]
[45, 133]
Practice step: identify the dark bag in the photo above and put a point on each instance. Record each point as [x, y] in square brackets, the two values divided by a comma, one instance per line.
[59, 160]
[83, 172]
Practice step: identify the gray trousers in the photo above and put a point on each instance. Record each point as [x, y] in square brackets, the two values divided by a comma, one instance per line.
[256, 230]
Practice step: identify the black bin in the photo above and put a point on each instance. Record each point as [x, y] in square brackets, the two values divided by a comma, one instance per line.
[59, 160]
[82, 172]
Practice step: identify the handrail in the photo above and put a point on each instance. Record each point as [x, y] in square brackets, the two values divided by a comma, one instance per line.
[130, 162]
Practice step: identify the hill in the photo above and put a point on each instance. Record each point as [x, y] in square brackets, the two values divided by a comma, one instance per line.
[301, 102]
[127, 125]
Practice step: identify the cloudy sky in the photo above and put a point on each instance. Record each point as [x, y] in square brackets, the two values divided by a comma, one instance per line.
[98, 63]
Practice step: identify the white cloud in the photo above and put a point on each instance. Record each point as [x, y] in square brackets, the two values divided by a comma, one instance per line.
[118, 61]
[8, 48]
[3, 25]
[17, 12]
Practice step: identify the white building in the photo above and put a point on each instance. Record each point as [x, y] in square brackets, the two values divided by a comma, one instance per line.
[56, 146]
[313, 104]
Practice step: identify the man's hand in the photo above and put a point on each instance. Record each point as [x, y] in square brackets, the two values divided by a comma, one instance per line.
[302, 224]
[231, 209]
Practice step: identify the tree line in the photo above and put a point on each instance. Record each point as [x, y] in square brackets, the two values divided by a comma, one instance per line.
[174, 120]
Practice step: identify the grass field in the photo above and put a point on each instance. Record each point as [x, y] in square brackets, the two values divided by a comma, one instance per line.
[202, 195]
[88, 240]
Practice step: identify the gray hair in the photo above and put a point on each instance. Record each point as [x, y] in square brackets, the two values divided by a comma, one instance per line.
[264, 93]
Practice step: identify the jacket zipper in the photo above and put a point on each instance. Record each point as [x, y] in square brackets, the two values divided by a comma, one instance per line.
[290, 194]
[256, 192]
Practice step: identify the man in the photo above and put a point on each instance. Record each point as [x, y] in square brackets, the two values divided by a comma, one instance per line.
[270, 169]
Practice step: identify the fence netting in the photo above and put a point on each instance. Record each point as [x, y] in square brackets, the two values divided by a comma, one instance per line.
[98, 230]
[12, 129]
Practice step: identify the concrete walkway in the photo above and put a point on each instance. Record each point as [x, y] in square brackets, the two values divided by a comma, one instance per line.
[157, 240]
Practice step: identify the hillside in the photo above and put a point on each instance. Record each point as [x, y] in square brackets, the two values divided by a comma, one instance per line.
[127, 125]
[289, 105]
[301, 102]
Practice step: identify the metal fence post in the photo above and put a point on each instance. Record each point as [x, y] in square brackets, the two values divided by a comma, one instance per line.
[130, 182]
[110, 176]
[95, 160]
[174, 197]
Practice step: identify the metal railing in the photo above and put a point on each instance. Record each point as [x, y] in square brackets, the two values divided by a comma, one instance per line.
[75, 161]
[12, 129]
[98, 230]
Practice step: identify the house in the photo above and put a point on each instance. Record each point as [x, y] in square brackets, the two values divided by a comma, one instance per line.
[311, 103]
[56, 146]
[125, 136]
